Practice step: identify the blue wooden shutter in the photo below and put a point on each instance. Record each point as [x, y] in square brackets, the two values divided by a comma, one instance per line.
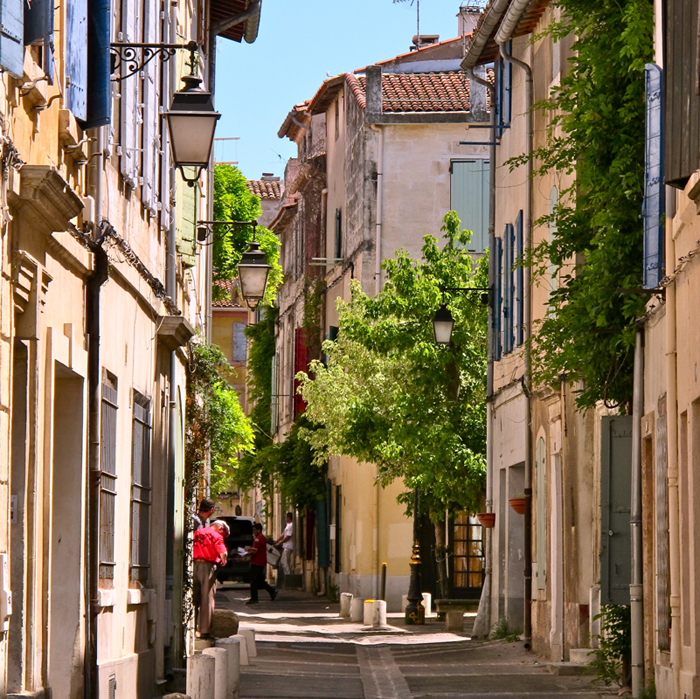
[507, 88]
[508, 306]
[75, 43]
[99, 101]
[469, 197]
[653, 180]
[38, 21]
[12, 37]
[615, 493]
[498, 69]
[519, 286]
[497, 260]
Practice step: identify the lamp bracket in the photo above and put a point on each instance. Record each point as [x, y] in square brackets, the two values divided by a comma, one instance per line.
[209, 226]
[129, 59]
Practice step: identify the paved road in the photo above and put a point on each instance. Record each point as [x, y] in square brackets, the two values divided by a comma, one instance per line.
[306, 652]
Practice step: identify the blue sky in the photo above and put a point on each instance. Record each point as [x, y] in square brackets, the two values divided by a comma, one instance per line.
[299, 42]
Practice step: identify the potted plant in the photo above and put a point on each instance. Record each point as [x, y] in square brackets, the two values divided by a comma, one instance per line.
[487, 519]
[518, 504]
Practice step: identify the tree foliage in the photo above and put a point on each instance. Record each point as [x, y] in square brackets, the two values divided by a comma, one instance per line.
[597, 133]
[215, 422]
[387, 394]
[233, 201]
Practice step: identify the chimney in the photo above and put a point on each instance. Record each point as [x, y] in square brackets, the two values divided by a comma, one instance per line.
[467, 18]
[373, 91]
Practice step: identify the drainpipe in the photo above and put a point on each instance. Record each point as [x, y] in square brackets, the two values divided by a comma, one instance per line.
[482, 623]
[636, 590]
[672, 432]
[527, 616]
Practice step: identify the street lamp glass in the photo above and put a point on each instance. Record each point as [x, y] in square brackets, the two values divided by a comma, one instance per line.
[443, 324]
[253, 271]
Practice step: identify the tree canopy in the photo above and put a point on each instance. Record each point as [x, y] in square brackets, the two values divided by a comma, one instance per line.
[233, 201]
[387, 394]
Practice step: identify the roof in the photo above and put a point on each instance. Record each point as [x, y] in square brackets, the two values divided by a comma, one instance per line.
[265, 189]
[488, 53]
[401, 92]
[223, 10]
[448, 48]
[232, 300]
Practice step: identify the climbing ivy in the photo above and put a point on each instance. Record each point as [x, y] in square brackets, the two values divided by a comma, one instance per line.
[596, 132]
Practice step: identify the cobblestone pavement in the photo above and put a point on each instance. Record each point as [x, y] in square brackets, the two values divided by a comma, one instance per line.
[306, 652]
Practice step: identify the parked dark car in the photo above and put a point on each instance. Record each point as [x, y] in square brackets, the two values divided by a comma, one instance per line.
[241, 536]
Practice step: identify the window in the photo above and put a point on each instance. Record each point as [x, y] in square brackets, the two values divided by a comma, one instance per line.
[108, 478]
[508, 290]
[336, 113]
[504, 76]
[519, 282]
[469, 197]
[498, 298]
[553, 203]
[338, 233]
[541, 514]
[300, 364]
[239, 342]
[653, 209]
[140, 488]
[11, 37]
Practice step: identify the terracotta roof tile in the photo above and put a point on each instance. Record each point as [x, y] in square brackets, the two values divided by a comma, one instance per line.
[265, 189]
[232, 300]
[423, 92]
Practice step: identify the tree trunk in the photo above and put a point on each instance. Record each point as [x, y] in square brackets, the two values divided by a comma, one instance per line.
[442, 583]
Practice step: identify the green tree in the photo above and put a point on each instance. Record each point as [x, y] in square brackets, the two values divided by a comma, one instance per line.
[217, 429]
[597, 133]
[233, 201]
[388, 395]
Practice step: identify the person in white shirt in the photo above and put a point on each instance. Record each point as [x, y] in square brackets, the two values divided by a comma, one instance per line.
[287, 545]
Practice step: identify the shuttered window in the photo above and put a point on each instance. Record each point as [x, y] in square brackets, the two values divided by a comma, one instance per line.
[338, 233]
[504, 79]
[541, 514]
[553, 204]
[131, 106]
[99, 107]
[140, 489]
[186, 219]
[38, 21]
[508, 288]
[497, 298]
[301, 360]
[239, 342]
[12, 37]
[338, 527]
[108, 478]
[150, 132]
[469, 197]
[653, 181]
[519, 282]
[663, 570]
[76, 57]
[274, 400]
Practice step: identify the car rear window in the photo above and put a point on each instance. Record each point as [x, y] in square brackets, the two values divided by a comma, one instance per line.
[239, 527]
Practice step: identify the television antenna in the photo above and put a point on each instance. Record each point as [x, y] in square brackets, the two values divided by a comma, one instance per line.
[417, 3]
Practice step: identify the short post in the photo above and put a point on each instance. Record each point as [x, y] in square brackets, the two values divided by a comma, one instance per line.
[232, 646]
[415, 612]
[250, 641]
[200, 676]
[383, 595]
[357, 609]
[345, 600]
[243, 645]
[378, 613]
[368, 612]
[220, 670]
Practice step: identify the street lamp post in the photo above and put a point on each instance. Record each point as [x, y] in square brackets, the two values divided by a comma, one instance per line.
[415, 611]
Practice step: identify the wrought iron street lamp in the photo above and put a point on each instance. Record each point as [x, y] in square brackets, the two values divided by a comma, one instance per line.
[415, 611]
[443, 322]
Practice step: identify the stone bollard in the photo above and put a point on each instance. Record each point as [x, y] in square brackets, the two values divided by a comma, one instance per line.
[357, 606]
[177, 695]
[220, 670]
[378, 613]
[345, 600]
[428, 603]
[250, 641]
[200, 676]
[368, 612]
[232, 646]
[243, 645]
[454, 620]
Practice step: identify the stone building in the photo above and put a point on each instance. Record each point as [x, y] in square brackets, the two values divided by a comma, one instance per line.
[382, 156]
[102, 285]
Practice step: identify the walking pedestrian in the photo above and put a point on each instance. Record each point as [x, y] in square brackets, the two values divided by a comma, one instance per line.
[258, 564]
[287, 542]
[208, 550]
[206, 510]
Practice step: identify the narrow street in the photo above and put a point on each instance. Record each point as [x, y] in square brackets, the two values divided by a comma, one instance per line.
[305, 651]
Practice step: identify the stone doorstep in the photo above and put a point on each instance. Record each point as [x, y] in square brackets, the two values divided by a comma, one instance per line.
[580, 656]
[569, 669]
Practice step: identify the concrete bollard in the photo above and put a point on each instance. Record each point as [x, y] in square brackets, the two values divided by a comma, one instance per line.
[378, 613]
[201, 670]
[345, 600]
[428, 603]
[454, 620]
[250, 641]
[368, 612]
[220, 670]
[357, 606]
[243, 645]
[177, 695]
[232, 646]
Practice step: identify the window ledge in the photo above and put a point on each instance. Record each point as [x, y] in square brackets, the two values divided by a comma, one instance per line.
[106, 598]
[142, 596]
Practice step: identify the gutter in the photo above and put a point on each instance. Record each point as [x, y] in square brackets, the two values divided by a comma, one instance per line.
[502, 38]
[251, 17]
[492, 16]
[380, 193]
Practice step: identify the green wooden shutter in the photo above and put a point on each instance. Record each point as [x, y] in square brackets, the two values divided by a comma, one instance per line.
[12, 37]
[615, 493]
[186, 224]
[469, 197]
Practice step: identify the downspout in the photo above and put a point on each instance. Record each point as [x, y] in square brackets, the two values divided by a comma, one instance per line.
[95, 280]
[636, 590]
[482, 623]
[672, 432]
[380, 197]
[527, 318]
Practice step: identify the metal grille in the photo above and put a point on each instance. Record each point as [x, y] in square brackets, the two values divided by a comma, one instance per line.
[112, 687]
[468, 554]
[140, 489]
[108, 479]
